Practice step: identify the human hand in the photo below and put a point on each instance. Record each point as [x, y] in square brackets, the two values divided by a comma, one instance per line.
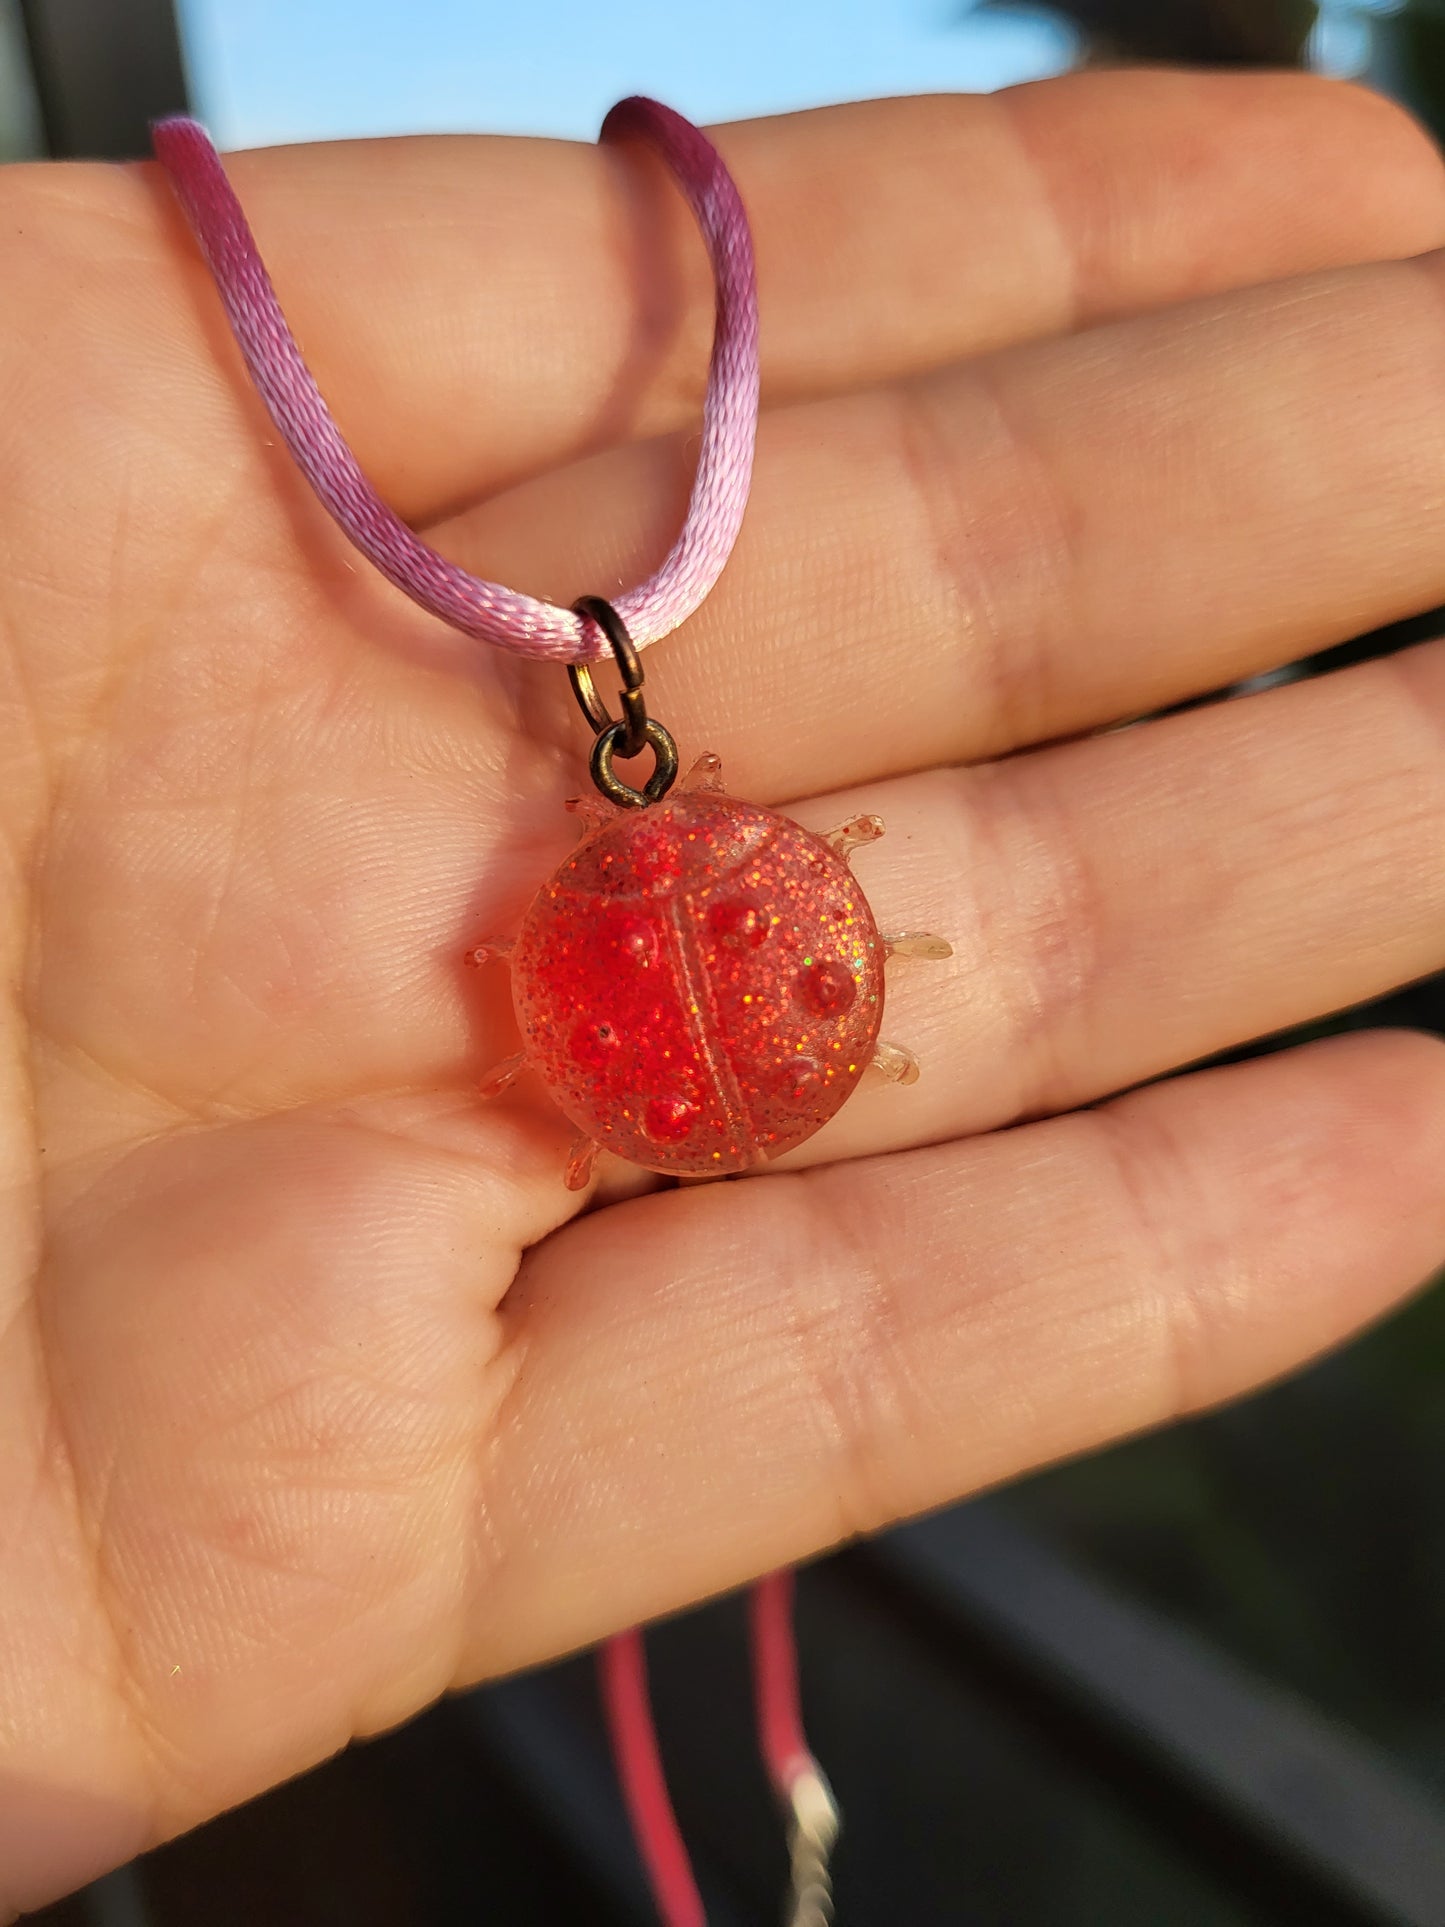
[317, 1396]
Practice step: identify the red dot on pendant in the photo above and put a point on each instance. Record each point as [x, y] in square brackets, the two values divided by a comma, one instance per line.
[667, 1120]
[633, 940]
[738, 922]
[797, 1079]
[827, 988]
[595, 1044]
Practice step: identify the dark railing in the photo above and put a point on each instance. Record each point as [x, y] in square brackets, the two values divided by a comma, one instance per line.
[102, 72]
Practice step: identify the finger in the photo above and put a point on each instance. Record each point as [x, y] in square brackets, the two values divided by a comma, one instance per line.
[1130, 903]
[479, 309]
[1117, 906]
[717, 1381]
[891, 235]
[1037, 543]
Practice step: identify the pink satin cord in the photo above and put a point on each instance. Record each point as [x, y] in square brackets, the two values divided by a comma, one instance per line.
[529, 627]
[622, 1675]
[785, 1749]
[487, 610]
[796, 1778]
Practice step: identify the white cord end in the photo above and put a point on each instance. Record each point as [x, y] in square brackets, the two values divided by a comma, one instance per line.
[812, 1834]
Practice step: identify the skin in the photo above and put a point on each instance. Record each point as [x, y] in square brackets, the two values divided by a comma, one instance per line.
[319, 1394]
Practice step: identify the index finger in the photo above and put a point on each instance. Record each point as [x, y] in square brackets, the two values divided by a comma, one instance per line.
[479, 309]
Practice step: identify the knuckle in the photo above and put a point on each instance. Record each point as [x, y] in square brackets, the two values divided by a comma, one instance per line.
[1179, 1255]
[845, 1333]
[999, 540]
[1046, 916]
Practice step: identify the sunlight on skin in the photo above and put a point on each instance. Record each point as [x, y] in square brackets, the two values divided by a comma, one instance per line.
[305, 1413]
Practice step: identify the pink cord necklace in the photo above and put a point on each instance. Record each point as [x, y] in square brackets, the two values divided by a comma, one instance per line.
[520, 623]
[700, 984]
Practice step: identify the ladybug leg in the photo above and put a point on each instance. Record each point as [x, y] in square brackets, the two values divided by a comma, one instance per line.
[898, 1065]
[580, 1161]
[853, 834]
[501, 1077]
[915, 943]
[705, 774]
[490, 951]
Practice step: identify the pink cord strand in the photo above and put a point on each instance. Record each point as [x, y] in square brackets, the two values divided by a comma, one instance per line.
[622, 1671]
[784, 1744]
[487, 610]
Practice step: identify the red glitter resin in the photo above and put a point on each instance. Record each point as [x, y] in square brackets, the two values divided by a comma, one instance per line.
[700, 984]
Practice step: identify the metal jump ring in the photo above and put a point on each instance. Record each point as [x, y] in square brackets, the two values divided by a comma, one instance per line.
[635, 730]
[610, 743]
[629, 663]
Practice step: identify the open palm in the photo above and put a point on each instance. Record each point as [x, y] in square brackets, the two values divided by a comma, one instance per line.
[316, 1394]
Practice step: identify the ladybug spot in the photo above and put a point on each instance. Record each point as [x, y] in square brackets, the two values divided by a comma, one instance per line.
[667, 1120]
[633, 940]
[595, 1044]
[738, 922]
[798, 1081]
[827, 989]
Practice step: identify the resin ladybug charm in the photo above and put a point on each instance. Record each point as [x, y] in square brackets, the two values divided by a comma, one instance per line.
[700, 984]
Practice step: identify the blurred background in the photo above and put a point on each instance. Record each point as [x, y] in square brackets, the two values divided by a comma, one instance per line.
[1196, 1680]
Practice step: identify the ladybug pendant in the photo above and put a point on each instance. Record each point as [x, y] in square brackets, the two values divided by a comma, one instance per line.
[700, 984]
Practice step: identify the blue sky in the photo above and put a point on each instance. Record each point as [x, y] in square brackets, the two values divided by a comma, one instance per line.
[264, 71]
